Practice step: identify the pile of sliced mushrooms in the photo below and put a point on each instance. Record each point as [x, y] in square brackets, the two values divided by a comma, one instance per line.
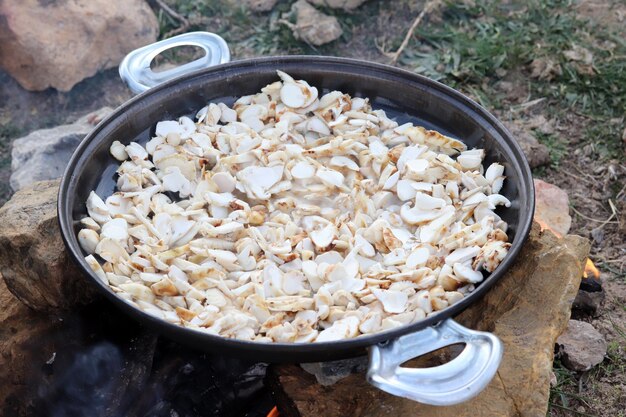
[292, 217]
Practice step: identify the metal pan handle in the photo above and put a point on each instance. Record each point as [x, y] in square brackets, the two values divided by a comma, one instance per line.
[454, 382]
[135, 68]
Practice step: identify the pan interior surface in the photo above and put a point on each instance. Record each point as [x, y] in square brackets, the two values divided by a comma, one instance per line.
[405, 97]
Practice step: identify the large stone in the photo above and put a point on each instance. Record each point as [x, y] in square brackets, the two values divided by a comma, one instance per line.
[552, 207]
[527, 309]
[44, 154]
[58, 43]
[536, 153]
[581, 346]
[33, 260]
[347, 5]
[313, 26]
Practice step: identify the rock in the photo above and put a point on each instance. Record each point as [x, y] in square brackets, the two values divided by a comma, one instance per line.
[44, 154]
[527, 309]
[581, 346]
[588, 302]
[48, 43]
[33, 259]
[258, 5]
[347, 5]
[552, 207]
[313, 26]
[536, 153]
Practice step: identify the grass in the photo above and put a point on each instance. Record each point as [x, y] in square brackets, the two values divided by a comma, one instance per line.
[478, 45]
[240, 27]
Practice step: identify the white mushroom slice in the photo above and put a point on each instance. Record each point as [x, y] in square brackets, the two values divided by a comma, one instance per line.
[164, 287]
[428, 233]
[303, 170]
[216, 298]
[497, 184]
[224, 181]
[452, 189]
[322, 238]
[341, 329]
[417, 216]
[365, 248]
[392, 301]
[494, 172]
[161, 151]
[462, 255]
[118, 150]
[293, 283]
[116, 229]
[410, 153]
[343, 161]
[416, 168]
[96, 208]
[260, 179]
[90, 223]
[417, 258]
[228, 115]
[422, 300]
[405, 190]
[289, 303]
[391, 181]
[466, 273]
[138, 291]
[176, 182]
[165, 128]
[453, 297]
[426, 202]
[472, 159]
[118, 205]
[186, 167]
[111, 250]
[95, 266]
[88, 240]
[395, 257]
[136, 152]
[330, 176]
[317, 124]
[497, 200]
[292, 95]
[256, 111]
[371, 323]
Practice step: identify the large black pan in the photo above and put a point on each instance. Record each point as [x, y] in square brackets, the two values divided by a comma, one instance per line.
[403, 95]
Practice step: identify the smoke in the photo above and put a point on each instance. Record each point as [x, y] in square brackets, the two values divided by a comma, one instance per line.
[84, 389]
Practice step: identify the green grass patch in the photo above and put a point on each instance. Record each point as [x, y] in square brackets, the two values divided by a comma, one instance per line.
[477, 45]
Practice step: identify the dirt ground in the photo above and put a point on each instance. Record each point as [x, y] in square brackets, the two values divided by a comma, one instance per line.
[555, 67]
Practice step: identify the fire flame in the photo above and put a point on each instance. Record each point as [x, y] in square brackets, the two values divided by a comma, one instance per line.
[590, 270]
[273, 412]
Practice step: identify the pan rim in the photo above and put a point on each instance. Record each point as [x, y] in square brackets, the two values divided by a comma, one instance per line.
[213, 342]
